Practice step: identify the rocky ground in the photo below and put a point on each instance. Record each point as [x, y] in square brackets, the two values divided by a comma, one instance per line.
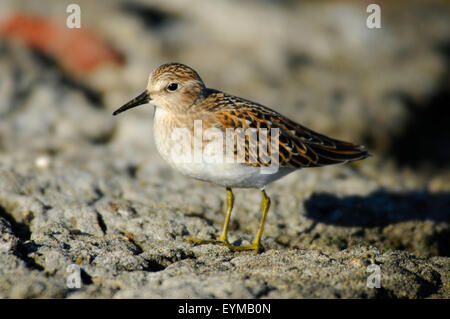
[79, 187]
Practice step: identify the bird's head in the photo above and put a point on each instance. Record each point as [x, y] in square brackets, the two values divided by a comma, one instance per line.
[174, 87]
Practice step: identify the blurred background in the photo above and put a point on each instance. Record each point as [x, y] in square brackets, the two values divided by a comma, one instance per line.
[314, 61]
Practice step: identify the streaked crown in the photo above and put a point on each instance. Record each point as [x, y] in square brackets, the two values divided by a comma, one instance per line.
[174, 87]
[174, 72]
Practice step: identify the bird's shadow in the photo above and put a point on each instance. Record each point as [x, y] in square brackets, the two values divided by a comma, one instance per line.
[380, 208]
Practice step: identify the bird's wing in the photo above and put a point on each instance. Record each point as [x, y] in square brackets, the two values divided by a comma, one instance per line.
[297, 145]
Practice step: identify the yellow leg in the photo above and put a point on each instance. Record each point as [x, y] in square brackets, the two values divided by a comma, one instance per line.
[223, 240]
[265, 205]
[230, 203]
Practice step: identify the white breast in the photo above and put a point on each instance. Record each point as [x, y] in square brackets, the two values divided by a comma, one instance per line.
[206, 167]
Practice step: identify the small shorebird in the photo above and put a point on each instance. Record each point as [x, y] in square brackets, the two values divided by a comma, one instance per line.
[181, 100]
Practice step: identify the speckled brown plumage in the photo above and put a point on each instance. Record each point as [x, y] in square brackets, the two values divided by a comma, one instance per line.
[298, 146]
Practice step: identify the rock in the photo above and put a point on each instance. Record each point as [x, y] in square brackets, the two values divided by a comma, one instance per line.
[84, 194]
[46, 106]
[78, 50]
[8, 241]
[19, 281]
[128, 244]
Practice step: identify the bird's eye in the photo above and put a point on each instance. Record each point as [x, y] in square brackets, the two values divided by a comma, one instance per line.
[172, 87]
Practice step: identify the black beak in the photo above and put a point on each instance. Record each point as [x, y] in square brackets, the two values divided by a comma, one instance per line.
[142, 98]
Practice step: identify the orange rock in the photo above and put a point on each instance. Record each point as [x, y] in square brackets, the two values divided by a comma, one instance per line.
[77, 50]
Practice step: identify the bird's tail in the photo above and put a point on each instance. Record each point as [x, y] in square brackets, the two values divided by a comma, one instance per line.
[338, 152]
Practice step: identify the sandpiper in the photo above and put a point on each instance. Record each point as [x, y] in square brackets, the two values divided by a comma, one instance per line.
[182, 101]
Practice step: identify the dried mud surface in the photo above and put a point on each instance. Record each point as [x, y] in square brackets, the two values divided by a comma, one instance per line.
[78, 186]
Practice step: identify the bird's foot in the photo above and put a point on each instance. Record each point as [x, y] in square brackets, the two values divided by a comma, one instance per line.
[199, 241]
[225, 242]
